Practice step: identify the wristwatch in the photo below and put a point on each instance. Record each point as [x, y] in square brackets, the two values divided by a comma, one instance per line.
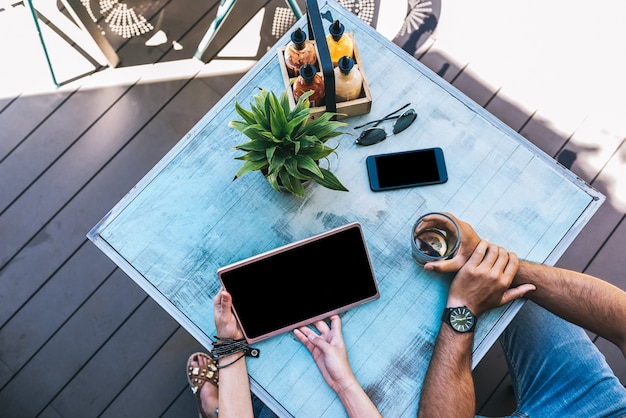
[461, 319]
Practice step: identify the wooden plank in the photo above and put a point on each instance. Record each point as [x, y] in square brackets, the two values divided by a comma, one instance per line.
[65, 233]
[218, 80]
[84, 392]
[443, 56]
[50, 413]
[508, 111]
[441, 64]
[60, 238]
[175, 124]
[544, 134]
[595, 142]
[64, 353]
[22, 116]
[476, 89]
[147, 148]
[30, 328]
[611, 182]
[608, 263]
[183, 406]
[81, 162]
[593, 236]
[488, 376]
[5, 102]
[5, 372]
[137, 399]
[52, 138]
[17, 291]
[179, 17]
[502, 402]
[186, 21]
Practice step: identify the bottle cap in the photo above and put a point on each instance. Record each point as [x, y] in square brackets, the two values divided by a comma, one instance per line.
[307, 71]
[298, 37]
[345, 64]
[336, 30]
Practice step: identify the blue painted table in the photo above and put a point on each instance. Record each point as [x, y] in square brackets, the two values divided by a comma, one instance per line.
[187, 218]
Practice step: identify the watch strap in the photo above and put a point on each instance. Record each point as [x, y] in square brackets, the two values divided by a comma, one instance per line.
[445, 317]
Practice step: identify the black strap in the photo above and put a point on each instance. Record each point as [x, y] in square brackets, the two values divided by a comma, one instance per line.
[316, 31]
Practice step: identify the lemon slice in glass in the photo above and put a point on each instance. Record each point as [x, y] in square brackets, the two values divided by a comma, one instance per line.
[432, 242]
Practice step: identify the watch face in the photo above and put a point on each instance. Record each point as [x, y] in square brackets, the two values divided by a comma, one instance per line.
[462, 319]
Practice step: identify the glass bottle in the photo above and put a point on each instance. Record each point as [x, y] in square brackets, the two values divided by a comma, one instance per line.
[299, 52]
[348, 80]
[309, 80]
[339, 44]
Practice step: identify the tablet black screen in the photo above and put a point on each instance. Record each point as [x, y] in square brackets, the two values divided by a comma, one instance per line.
[301, 282]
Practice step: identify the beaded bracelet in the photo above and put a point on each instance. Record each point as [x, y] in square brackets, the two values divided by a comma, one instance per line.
[225, 347]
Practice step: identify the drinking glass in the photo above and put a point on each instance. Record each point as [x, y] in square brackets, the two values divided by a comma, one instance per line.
[435, 236]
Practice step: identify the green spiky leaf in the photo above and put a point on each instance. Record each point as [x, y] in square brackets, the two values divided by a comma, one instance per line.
[291, 184]
[291, 165]
[307, 163]
[330, 181]
[250, 166]
[285, 142]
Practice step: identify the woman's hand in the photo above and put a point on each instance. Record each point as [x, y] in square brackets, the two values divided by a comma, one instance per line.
[225, 321]
[329, 353]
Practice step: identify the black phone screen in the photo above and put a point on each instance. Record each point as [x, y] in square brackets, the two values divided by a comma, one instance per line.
[406, 169]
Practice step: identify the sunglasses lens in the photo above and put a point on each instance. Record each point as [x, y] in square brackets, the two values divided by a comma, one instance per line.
[404, 121]
[371, 136]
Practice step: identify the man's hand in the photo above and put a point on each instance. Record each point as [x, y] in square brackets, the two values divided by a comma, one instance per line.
[469, 241]
[484, 282]
[225, 322]
[329, 353]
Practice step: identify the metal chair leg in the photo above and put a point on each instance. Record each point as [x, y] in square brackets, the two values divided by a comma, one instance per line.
[80, 21]
[43, 43]
[294, 8]
[222, 12]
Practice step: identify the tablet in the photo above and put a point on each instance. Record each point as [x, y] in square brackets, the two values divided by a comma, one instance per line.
[300, 283]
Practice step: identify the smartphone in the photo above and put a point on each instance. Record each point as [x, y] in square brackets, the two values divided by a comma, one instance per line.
[406, 169]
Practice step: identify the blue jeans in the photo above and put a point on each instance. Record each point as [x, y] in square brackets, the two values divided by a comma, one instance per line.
[556, 370]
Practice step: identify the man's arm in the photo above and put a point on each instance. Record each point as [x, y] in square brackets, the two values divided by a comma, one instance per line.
[576, 297]
[579, 298]
[448, 389]
[483, 283]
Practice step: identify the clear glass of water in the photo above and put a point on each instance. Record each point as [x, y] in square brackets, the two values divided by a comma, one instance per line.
[435, 236]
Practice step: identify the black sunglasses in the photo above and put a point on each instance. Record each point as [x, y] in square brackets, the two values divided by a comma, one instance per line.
[373, 136]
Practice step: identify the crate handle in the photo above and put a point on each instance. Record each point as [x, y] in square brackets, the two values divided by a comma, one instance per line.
[314, 19]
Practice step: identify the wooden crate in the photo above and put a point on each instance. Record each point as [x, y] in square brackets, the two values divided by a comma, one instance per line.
[359, 106]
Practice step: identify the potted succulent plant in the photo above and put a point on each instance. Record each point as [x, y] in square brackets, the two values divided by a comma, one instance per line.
[284, 144]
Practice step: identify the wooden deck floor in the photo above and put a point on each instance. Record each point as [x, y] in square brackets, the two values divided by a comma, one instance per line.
[77, 336]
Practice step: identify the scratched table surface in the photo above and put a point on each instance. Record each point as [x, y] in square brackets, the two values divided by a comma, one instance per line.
[188, 217]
